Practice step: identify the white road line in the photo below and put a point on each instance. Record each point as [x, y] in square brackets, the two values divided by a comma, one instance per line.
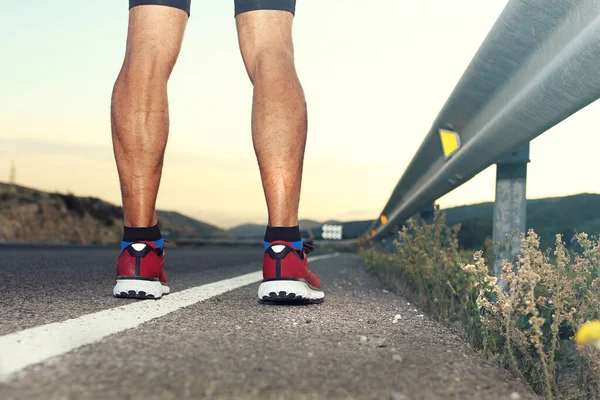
[19, 350]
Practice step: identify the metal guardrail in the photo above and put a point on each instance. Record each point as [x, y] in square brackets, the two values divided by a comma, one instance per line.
[537, 66]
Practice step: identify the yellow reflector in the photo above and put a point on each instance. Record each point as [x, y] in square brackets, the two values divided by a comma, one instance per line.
[373, 232]
[383, 219]
[450, 142]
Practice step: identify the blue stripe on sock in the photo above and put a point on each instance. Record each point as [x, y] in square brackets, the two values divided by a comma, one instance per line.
[296, 245]
[160, 243]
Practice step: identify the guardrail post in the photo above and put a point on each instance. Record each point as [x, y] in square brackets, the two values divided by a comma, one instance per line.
[427, 214]
[395, 236]
[510, 208]
[388, 242]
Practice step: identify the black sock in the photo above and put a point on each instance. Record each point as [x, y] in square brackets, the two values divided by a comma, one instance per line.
[150, 234]
[289, 234]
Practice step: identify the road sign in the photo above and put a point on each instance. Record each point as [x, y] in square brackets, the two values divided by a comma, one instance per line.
[332, 232]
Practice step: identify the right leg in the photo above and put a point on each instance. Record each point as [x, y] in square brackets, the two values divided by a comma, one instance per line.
[279, 136]
[140, 126]
[140, 115]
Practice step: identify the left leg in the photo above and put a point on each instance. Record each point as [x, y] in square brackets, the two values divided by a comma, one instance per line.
[140, 127]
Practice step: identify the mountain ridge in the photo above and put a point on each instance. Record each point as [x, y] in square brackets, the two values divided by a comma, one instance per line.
[31, 215]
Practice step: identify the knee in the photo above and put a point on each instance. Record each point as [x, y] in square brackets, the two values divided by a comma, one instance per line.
[142, 83]
[269, 61]
[146, 68]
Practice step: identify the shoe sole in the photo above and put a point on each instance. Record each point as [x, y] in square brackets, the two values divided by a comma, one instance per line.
[140, 289]
[289, 291]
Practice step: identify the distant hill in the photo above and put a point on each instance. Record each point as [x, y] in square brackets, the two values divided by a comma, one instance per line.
[253, 231]
[29, 215]
[351, 229]
[308, 224]
[180, 225]
[548, 217]
[248, 231]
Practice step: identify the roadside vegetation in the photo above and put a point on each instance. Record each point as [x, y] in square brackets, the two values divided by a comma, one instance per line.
[528, 327]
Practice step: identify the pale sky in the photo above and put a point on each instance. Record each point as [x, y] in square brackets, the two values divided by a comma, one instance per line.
[375, 75]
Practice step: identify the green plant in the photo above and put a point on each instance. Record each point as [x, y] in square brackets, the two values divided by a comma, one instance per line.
[527, 322]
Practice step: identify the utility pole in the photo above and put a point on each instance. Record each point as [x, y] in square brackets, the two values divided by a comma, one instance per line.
[13, 172]
[11, 188]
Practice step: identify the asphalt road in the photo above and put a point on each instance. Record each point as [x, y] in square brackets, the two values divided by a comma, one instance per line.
[227, 345]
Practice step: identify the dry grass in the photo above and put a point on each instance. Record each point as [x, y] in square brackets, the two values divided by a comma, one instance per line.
[526, 323]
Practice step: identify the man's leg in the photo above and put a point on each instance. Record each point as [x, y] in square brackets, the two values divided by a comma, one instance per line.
[279, 126]
[140, 115]
[140, 126]
[278, 110]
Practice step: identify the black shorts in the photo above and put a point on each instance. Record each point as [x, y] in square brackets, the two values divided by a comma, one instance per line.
[240, 5]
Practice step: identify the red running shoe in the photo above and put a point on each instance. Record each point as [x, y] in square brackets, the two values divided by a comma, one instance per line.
[286, 276]
[140, 273]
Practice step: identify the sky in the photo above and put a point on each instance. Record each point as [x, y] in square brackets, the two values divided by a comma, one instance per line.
[375, 75]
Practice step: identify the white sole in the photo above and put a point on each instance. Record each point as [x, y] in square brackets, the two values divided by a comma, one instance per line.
[284, 290]
[140, 289]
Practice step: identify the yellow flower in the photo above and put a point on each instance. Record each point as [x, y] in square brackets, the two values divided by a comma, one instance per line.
[589, 333]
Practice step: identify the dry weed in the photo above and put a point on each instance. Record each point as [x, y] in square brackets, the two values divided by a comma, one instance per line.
[546, 297]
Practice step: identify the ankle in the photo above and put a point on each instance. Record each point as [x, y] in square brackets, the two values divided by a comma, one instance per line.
[290, 234]
[143, 234]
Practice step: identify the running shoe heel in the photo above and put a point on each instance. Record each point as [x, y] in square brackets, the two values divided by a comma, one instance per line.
[133, 288]
[288, 290]
[140, 272]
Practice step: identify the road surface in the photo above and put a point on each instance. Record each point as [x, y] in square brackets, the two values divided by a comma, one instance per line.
[63, 336]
